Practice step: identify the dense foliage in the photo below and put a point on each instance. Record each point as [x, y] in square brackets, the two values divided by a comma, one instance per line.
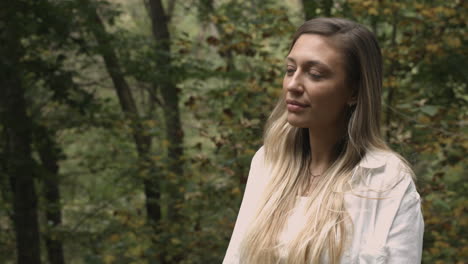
[104, 87]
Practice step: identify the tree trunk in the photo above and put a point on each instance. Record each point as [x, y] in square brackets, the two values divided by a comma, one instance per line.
[48, 153]
[170, 94]
[326, 7]
[392, 88]
[174, 133]
[17, 126]
[310, 8]
[127, 103]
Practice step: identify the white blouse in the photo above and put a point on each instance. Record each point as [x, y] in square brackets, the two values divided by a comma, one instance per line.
[388, 230]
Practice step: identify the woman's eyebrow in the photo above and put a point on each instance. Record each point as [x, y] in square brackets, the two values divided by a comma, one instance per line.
[311, 63]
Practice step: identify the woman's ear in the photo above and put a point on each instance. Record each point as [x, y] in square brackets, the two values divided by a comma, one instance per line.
[352, 101]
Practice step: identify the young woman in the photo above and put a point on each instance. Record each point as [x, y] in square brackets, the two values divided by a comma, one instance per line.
[324, 187]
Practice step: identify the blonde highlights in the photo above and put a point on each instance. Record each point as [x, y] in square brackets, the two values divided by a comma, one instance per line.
[287, 154]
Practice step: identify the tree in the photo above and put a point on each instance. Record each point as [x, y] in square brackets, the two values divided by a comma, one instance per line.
[17, 125]
[49, 155]
[170, 94]
[312, 6]
[143, 142]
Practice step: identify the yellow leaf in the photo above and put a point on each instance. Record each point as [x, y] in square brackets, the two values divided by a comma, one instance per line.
[223, 18]
[108, 259]
[441, 244]
[135, 251]
[367, 3]
[235, 190]
[150, 123]
[453, 42]
[432, 47]
[465, 144]
[434, 251]
[214, 19]
[373, 11]
[427, 12]
[250, 151]
[114, 237]
[175, 241]
[418, 6]
[229, 28]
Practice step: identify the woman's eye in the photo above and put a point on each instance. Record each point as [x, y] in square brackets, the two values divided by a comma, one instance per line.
[290, 71]
[315, 75]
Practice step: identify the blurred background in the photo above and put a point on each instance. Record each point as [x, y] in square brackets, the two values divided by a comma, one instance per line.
[128, 126]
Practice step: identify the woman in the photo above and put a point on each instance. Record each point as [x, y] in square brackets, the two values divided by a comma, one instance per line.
[324, 187]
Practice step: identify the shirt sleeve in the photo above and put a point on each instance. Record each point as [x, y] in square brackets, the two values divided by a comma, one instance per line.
[247, 208]
[404, 241]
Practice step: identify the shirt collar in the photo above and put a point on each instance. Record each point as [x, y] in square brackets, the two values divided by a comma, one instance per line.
[374, 159]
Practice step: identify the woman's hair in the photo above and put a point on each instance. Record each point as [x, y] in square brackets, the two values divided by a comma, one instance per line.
[287, 154]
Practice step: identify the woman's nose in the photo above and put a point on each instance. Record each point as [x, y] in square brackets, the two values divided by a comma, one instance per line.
[294, 83]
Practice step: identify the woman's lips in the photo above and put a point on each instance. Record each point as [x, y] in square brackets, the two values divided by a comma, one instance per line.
[295, 106]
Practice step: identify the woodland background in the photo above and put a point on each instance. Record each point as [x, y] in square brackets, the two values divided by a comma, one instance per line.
[128, 126]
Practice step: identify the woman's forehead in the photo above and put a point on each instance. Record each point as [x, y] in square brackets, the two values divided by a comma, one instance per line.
[312, 47]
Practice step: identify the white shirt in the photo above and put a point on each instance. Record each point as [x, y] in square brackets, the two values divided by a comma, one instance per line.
[386, 231]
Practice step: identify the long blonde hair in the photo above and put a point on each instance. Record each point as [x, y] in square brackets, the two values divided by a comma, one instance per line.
[287, 154]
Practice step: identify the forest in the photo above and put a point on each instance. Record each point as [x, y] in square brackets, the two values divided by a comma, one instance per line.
[127, 127]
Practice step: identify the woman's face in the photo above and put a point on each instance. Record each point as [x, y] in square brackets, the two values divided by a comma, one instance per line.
[314, 84]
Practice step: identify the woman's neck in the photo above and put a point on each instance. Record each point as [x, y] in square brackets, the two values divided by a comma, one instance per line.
[323, 148]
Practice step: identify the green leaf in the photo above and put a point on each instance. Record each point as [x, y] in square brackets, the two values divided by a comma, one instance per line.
[430, 110]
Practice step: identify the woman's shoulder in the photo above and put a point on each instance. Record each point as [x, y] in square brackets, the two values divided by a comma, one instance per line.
[385, 209]
[384, 170]
[258, 162]
[260, 168]
[386, 160]
[260, 153]
[376, 158]
[258, 159]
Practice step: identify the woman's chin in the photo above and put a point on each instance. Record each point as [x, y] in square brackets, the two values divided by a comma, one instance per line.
[296, 122]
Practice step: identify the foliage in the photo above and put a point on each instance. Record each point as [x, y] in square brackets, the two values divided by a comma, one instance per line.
[426, 108]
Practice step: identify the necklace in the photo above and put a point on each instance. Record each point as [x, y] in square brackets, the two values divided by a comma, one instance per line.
[313, 175]
[310, 180]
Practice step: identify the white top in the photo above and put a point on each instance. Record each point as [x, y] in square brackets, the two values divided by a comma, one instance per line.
[386, 231]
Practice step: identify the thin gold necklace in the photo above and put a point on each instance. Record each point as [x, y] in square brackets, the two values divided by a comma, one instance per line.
[313, 175]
